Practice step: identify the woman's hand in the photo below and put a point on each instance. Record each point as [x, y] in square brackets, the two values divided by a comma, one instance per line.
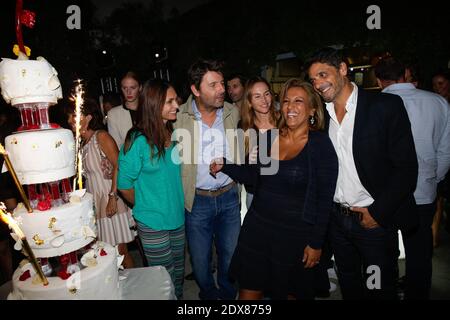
[111, 207]
[311, 257]
[215, 166]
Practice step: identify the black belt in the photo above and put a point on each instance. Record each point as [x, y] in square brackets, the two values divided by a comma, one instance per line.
[346, 210]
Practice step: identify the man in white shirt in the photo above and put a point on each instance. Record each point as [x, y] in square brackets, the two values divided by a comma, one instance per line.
[429, 114]
[377, 176]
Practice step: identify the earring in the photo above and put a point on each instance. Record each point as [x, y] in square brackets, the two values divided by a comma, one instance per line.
[312, 120]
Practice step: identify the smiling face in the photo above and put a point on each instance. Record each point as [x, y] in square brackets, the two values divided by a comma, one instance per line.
[327, 80]
[170, 108]
[296, 108]
[260, 98]
[211, 93]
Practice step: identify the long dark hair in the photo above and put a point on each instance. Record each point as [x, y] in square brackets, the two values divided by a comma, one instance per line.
[150, 122]
[92, 108]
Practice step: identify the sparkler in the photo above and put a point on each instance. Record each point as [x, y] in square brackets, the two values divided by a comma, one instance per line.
[9, 220]
[79, 100]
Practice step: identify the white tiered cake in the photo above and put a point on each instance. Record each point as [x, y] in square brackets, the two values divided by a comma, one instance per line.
[61, 229]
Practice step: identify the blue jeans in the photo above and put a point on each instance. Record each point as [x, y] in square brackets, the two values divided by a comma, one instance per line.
[219, 219]
[355, 249]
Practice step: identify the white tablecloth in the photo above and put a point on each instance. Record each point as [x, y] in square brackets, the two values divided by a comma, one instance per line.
[151, 283]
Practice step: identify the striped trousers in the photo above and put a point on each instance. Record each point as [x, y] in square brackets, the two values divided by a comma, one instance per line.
[165, 248]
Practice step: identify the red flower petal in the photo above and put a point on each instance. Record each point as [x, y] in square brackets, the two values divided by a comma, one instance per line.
[44, 205]
[25, 275]
[63, 274]
[103, 253]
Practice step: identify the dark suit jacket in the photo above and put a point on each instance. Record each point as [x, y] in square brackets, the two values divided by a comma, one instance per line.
[385, 158]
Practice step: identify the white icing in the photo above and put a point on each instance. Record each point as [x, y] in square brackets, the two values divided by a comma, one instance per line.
[92, 283]
[25, 81]
[74, 227]
[42, 156]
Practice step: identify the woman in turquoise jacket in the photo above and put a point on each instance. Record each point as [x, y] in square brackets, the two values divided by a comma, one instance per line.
[149, 178]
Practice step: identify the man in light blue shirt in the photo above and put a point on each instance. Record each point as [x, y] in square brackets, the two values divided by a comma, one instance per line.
[429, 115]
[212, 209]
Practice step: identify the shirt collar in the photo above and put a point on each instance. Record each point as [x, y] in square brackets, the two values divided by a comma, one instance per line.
[198, 115]
[351, 101]
[399, 86]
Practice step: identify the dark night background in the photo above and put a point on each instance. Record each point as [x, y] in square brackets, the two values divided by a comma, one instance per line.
[245, 34]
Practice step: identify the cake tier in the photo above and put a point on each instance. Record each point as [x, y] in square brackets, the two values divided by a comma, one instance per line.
[25, 81]
[59, 230]
[100, 281]
[42, 156]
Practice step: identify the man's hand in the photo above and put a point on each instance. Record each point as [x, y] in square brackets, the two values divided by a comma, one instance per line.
[367, 221]
[311, 257]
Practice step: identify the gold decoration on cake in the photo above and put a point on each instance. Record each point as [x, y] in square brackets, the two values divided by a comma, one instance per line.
[52, 222]
[73, 290]
[58, 144]
[38, 241]
[34, 146]
[24, 72]
[16, 50]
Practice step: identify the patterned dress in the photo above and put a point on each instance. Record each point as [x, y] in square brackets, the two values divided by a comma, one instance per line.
[98, 172]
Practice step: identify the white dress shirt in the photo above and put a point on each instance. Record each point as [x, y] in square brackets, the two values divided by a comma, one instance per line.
[349, 189]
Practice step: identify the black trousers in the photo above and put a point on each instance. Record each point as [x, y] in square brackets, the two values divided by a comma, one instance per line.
[419, 253]
[363, 257]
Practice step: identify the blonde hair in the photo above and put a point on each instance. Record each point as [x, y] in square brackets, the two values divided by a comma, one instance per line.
[315, 103]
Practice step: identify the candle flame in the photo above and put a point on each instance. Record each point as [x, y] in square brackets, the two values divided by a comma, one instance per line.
[7, 218]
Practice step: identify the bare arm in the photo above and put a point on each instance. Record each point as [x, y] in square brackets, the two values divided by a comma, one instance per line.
[109, 148]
